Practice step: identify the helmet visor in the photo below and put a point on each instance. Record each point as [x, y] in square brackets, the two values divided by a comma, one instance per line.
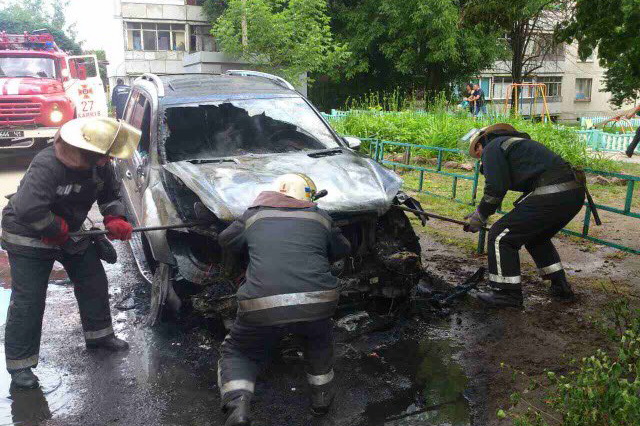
[464, 141]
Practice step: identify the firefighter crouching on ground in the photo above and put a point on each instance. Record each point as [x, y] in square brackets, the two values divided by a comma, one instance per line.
[289, 289]
[53, 199]
[553, 194]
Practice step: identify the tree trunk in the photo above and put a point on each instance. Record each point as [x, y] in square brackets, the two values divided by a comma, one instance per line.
[245, 31]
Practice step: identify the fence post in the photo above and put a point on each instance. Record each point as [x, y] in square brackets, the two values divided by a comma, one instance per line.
[454, 188]
[629, 200]
[587, 221]
[476, 178]
[421, 181]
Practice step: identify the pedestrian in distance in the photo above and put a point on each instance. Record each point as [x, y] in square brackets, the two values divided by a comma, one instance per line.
[288, 289]
[553, 194]
[470, 99]
[479, 101]
[52, 200]
[119, 97]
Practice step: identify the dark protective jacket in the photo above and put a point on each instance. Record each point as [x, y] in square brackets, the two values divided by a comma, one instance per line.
[119, 98]
[291, 244]
[49, 189]
[517, 164]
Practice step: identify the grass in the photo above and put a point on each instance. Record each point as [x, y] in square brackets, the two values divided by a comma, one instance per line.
[441, 128]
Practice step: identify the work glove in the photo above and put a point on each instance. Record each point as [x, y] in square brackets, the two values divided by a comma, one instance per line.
[61, 237]
[118, 227]
[475, 222]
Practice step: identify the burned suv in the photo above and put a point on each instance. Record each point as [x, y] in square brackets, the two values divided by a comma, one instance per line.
[210, 144]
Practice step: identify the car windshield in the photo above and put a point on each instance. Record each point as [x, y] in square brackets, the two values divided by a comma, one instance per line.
[249, 126]
[13, 66]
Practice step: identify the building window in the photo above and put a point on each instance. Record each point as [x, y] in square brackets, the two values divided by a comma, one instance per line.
[201, 39]
[195, 2]
[553, 84]
[583, 89]
[500, 87]
[151, 36]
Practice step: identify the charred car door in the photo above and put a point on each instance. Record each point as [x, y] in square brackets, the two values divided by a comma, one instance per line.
[135, 171]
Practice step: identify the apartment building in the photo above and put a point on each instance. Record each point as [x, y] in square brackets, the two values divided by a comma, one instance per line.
[573, 87]
[162, 37]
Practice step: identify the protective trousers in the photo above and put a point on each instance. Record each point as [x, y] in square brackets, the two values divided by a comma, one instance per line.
[247, 347]
[532, 223]
[30, 276]
[634, 143]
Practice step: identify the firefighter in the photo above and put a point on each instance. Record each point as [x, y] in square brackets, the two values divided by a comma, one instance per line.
[553, 194]
[288, 289]
[52, 200]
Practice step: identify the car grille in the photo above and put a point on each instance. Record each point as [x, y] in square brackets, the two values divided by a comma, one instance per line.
[19, 111]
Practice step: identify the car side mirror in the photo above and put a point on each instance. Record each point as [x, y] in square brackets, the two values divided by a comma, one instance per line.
[352, 142]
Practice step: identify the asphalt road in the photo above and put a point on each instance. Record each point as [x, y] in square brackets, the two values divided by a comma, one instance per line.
[168, 376]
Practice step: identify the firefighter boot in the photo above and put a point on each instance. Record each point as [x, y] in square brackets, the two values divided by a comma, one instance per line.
[501, 298]
[321, 399]
[110, 343]
[24, 379]
[561, 289]
[238, 411]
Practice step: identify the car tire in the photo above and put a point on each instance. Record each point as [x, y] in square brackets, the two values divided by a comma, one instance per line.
[164, 299]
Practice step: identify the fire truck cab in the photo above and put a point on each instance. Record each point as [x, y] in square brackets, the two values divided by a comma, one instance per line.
[41, 88]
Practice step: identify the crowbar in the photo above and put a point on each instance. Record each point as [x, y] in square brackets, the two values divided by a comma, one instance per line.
[95, 232]
[435, 216]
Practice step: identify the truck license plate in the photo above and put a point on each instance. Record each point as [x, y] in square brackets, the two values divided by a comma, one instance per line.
[11, 134]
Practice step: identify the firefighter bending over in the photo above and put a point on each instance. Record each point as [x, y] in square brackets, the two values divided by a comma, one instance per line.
[53, 199]
[289, 289]
[554, 193]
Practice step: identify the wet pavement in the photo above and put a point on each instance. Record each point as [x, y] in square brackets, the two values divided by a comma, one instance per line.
[406, 374]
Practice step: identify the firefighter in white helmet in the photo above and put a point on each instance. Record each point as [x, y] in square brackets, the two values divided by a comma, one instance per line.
[288, 289]
[53, 200]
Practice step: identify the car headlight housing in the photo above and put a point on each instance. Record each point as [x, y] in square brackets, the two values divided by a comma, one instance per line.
[56, 116]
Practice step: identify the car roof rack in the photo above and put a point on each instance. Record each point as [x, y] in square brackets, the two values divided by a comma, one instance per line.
[155, 80]
[278, 80]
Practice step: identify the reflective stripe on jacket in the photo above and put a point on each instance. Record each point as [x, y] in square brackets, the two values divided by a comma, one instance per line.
[289, 276]
[48, 190]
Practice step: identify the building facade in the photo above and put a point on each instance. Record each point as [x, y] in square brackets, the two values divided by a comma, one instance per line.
[573, 88]
[163, 37]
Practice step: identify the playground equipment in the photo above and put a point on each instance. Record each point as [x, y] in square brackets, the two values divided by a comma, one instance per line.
[622, 122]
[515, 97]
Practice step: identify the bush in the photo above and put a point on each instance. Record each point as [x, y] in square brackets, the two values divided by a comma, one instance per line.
[443, 129]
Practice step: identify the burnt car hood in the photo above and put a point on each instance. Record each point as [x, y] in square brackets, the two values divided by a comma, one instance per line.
[355, 184]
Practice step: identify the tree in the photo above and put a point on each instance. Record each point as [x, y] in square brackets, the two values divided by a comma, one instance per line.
[214, 8]
[31, 15]
[527, 26]
[414, 45]
[286, 37]
[611, 27]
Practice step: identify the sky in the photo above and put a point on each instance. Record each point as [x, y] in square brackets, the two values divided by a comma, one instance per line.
[92, 18]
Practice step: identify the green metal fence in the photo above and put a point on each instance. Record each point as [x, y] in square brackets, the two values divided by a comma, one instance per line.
[386, 153]
[599, 140]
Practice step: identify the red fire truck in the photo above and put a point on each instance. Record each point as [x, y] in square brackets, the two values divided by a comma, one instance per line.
[41, 88]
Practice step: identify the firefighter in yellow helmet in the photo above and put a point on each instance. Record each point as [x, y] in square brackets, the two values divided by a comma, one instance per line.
[53, 199]
[288, 288]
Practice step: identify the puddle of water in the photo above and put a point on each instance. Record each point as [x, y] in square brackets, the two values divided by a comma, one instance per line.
[436, 396]
[33, 405]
